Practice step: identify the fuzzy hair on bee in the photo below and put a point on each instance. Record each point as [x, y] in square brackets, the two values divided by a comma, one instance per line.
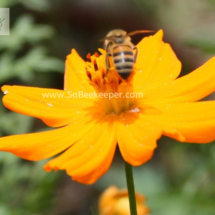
[118, 45]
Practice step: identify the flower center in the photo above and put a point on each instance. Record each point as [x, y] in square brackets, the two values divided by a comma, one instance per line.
[113, 91]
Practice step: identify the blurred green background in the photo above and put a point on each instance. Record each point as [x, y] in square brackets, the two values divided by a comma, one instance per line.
[179, 180]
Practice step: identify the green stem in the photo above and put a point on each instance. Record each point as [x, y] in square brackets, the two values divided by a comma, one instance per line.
[131, 190]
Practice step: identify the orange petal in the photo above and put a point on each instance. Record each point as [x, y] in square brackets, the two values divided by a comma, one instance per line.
[75, 78]
[156, 63]
[192, 87]
[195, 121]
[55, 112]
[91, 156]
[137, 138]
[38, 146]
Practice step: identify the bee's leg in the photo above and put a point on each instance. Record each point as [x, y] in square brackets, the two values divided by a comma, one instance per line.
[107, 62]
[107, 55]
[136, 52]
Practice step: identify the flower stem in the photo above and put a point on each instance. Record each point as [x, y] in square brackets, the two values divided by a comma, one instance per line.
[131, 190]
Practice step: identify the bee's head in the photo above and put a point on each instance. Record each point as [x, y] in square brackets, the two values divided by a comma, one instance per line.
[119, 35]
[116, 36]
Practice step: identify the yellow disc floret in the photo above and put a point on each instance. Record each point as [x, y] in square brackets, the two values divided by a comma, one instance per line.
[113, 91]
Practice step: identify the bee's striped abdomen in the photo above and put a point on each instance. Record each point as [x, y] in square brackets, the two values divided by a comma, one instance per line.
[123, 58]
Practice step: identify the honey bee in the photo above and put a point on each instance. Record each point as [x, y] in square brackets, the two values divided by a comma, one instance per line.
[118, 45]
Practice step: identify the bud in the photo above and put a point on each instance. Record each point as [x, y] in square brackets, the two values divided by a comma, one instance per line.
[115, 202]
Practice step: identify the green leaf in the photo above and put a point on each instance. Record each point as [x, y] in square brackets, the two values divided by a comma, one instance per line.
[25, 32]
[37, 5]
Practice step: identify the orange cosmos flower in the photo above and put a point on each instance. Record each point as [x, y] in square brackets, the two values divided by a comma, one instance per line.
[91, 126]
[114, 201]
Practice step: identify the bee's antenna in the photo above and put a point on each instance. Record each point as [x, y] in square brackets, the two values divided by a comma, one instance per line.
[139, 32]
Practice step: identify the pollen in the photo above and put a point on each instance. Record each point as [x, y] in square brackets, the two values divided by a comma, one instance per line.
[113, 91]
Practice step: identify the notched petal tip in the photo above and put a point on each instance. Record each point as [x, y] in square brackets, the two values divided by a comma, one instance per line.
[74, 52]
[173, 133]
[48, 168]
[159, 34]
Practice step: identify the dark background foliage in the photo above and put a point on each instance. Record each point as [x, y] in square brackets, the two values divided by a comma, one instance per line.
[179, 180]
